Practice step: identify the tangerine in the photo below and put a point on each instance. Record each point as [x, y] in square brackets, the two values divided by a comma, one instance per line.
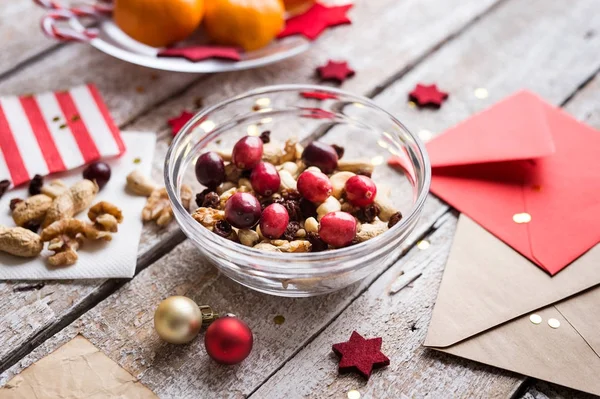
[250, 24]
[158, 23]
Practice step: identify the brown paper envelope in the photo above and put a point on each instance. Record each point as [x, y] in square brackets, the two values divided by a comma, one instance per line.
[76, 370]
[567, 355]
[486, 283]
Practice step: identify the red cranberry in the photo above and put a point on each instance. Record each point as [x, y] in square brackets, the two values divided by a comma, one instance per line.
[321, 155]
[274, 221]
[242, 210]
[337, 229]
[360, 190]
[265, 179]
[98, 172]
[247, 152]
[314, 186]
[210, 169]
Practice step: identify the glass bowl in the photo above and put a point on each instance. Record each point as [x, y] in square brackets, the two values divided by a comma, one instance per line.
[367, 133]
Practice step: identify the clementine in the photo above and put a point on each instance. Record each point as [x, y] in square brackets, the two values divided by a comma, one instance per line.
[250, 24]
[158, 23]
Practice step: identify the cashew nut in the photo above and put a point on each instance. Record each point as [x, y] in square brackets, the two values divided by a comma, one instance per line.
[356, 166]
[225, 155]
[248, 237]
[386, 210]
[20, 242]
[331, 204]
[32, 210]
[311, 225]
[291, 167]
[140, 184]
[224, 187]
[287, 180]
[338, 183]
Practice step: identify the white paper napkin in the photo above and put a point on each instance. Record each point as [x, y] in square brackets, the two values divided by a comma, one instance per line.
[116, 258]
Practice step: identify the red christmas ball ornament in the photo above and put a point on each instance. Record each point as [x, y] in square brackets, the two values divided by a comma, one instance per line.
[228, 340]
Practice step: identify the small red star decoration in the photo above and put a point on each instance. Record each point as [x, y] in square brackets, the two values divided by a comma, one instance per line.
[360, 355]
[318, 95]
[333, 70]
[199, 53]
[178, 122]
[313, 22]
[425, 95]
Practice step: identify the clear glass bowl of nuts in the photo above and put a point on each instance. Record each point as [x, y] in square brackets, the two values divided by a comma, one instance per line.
[299, 190]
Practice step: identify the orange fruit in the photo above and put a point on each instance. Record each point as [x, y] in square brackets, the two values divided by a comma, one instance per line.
[158, 23]
[298, 6]
[250, 24]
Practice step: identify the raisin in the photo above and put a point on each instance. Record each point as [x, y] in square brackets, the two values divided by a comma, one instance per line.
[309, 210]
[211, 200]
[4, 185]
[266, 136]
[200, 197]
[14, 202]
[339, 150]
[364, 172]
[316, 243]
[395, 218]
[290, 231]
[367, 214]
[223, 228]
[291, 194]
[35, 186]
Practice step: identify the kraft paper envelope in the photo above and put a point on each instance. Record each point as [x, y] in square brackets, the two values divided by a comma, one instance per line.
[487, 295]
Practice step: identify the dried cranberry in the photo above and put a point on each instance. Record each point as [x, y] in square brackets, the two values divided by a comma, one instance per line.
[247, 152]
[222, 228]
[211, 200]
[265, 136]
[321, 155]
[395, 218]
[242, 210]
[210, 169]
[316, 243]
[339, 150]
[290, 231]
[314, 186]
[274, 221]
[265, 179]
[98, 172]
[35, 185]
[367, 214]
[4, 185]
[14, 202]
[337, 229]
[360, 190]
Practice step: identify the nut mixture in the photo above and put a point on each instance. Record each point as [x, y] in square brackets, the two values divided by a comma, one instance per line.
[280, 197]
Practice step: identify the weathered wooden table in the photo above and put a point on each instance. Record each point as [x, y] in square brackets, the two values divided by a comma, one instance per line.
[549, 46]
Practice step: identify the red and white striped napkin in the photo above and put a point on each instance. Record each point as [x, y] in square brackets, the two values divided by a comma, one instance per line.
[53, 132]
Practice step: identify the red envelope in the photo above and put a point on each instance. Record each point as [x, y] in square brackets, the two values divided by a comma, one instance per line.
[524, 156]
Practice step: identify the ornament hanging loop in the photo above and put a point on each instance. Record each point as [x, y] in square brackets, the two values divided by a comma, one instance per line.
[208, 315]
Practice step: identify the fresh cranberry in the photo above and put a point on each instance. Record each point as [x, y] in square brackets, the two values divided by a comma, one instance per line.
[98, 172]
[360, 190]
[210, 169]
[321, 155]
[314, 186]
[247, 152]
[242, 210]
[274, 221]
[337, 229]
[265, 179]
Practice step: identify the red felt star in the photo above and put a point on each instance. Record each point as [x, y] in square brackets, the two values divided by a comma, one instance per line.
[178, 122]
[318, 95]
[427, 95]
[361, 355]
[313, 22]
[339, 71]
[199, 53]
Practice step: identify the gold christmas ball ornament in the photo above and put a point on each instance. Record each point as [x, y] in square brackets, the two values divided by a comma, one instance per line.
[177, 320]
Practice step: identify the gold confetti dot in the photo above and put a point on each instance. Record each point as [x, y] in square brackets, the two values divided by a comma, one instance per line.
[137, 160]
[353, 394]
[75, 118]
[481, 93]
[522, 218]
[207, 125]
[423, 244]
[56, 119]
[412, 104]
[553, 323]
[377, 160]
[140, 89]
[425, 135]
[535, 318]
[253, 130]
[279, 319]
[63, 126]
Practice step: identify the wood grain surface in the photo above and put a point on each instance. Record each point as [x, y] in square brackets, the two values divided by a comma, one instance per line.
[549, 47]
